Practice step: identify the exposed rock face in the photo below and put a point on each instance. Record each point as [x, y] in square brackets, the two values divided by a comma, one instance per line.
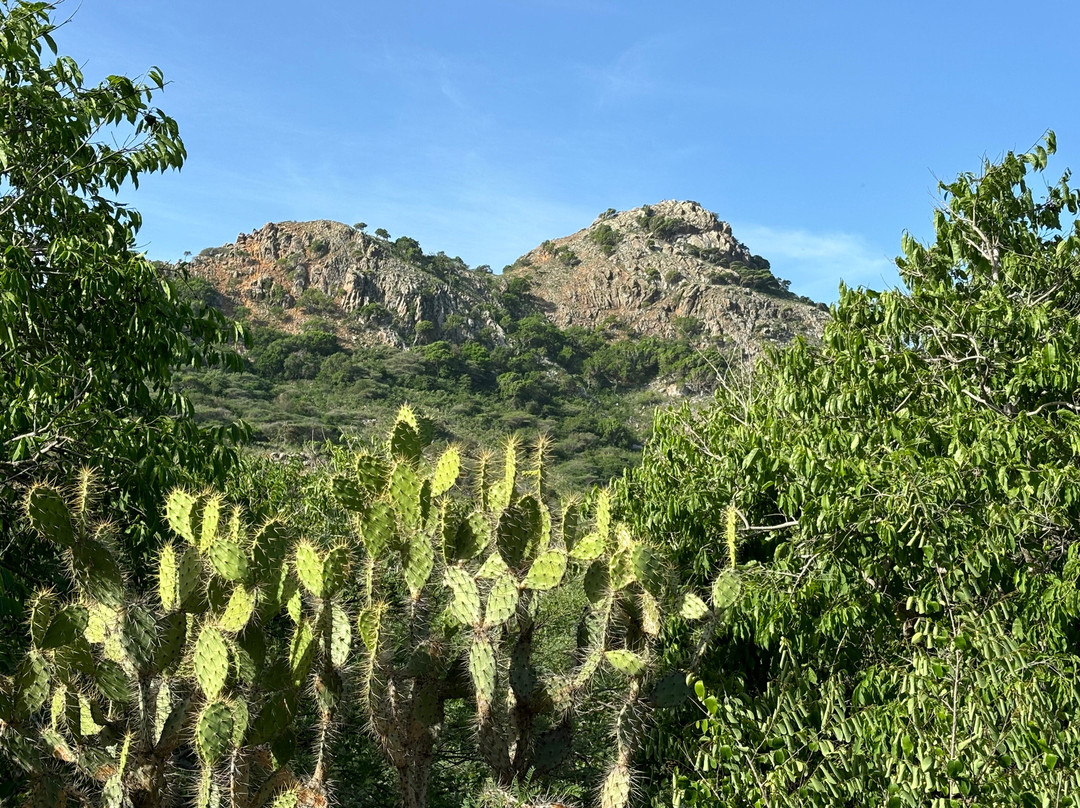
[662, 270]
[672, 269]
[372, 292]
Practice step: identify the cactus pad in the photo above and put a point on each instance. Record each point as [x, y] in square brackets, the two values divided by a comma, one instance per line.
[588, 548]
[405, 442]
[464, 539]
[240, 716]
[622, 569]
[167, 575]
[692, 607]
[671, 691]
[111, 681]
[238, 610]
[294, 605]
[404, 492]
[615, 792]
[446, 472]
[301, 652]
[270, 547]
[96, 572]
[597, 581]
[726, 589]
[482, 669]
[41, 612]
[369, 624]
[273, 719]
[502, 600]
[493, 567]
[418, 563]
[499, 496]
[603, 515]
[228, 559]
[209, 519]
[163, 710]
[650, 614]
[309, 568]
[245, 662]
[552, 748]
[283, 748]
[571, 523]
[648, 569]
[427, 707]
[336, 568]
[545, 527]
[547, 571]
[112, 793]
[289, 798]
[371, 473]
[518, 534]
[338, 634]
[377, 529]
[626, 662]
[32, 682]
[189, 571]
[138, 635]
[328, 687]
[465, 603]
[214, 732]
[211, 658]
[350, 494]
[171, 640]
[50, 515]
[181, 514]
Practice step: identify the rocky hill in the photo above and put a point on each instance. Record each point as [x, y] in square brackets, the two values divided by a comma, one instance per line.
[667, 270]
[664, 269]
[376, 290]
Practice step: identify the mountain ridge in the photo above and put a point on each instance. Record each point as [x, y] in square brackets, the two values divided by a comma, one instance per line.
[666, 270]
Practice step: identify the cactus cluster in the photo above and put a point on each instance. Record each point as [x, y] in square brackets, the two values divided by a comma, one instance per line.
[183, 695]
[454, 580]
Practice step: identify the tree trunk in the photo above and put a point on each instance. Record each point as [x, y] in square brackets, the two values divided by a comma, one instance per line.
[413, 779]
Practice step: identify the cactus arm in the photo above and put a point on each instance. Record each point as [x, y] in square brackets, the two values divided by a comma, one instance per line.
[524, 684]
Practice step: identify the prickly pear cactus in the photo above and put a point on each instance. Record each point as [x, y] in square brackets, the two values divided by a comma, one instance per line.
[118, 686]
[456, 578]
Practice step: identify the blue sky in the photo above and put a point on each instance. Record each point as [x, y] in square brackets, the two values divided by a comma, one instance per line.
[819, 130]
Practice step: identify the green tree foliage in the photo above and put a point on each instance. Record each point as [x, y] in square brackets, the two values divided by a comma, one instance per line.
[605, 237]
[91, 331]
[904, 629]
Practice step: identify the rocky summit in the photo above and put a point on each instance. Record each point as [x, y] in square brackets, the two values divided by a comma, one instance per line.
[663, 269]
[670, 269]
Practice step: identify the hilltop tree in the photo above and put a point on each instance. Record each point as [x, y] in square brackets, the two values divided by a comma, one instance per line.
[903, 625]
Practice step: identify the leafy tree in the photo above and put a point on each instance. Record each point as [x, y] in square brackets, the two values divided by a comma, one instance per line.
[900, 615]
[91, 331]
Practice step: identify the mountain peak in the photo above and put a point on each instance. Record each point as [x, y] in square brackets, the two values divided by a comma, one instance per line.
[662, 269]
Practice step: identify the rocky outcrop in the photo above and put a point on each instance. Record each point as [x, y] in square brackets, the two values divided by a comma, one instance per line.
[363, 284]
[666, 270]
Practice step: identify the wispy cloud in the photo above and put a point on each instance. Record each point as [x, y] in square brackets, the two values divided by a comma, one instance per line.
[629, 76]
[815, 263]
